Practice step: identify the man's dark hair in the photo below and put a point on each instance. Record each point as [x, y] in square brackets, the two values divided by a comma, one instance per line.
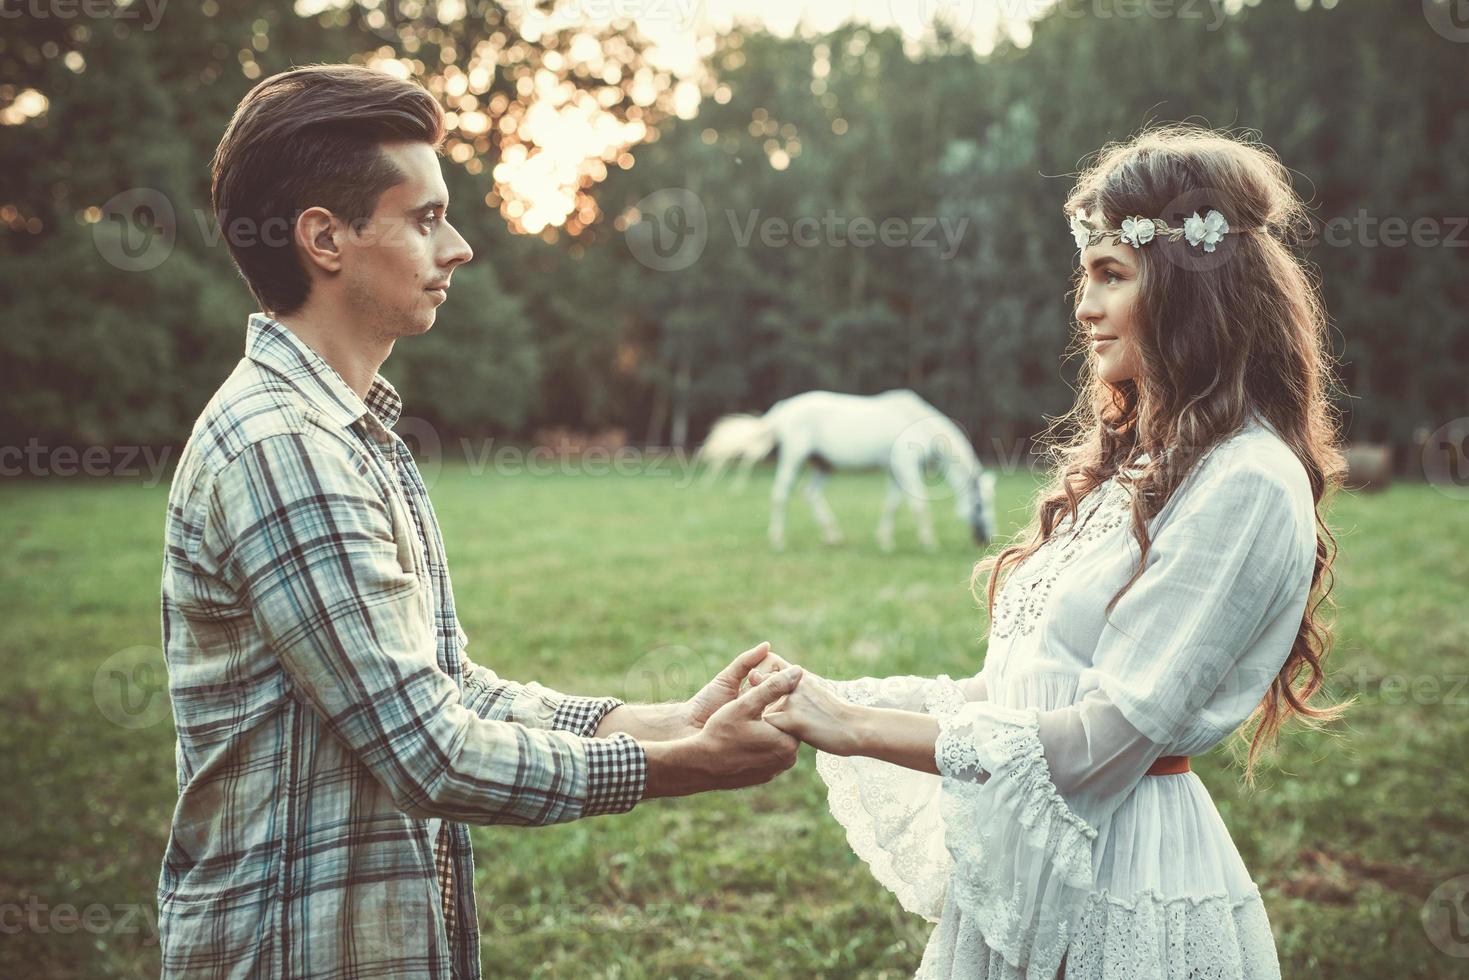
[309, 137]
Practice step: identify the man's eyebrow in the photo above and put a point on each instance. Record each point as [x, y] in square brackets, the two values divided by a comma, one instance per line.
[431, 205]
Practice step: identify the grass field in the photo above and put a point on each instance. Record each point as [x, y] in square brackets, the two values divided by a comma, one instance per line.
[639, 586]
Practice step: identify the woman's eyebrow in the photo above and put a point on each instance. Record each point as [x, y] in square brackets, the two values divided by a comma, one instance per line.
[1104, 260]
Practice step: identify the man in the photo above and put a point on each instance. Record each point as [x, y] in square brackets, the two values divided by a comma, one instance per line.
[333, 738]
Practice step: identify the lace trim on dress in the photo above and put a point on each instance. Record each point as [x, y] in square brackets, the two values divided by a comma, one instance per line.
[891, 814]
[1153, 937]
[1212, 937]
[902, 691]
[944, 698]
[1022, 858]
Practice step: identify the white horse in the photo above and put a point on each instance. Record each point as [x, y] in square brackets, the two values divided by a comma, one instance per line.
[896, 429]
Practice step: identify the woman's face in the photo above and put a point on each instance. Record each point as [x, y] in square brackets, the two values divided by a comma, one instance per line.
[1108, 299]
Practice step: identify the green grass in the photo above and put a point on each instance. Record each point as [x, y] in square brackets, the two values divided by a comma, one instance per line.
[639, 586]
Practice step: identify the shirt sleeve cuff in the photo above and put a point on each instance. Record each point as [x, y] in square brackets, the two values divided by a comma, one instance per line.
[617, 774]
[581, 715]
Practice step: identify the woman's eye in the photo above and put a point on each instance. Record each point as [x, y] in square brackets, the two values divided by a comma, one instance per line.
[1112, 277]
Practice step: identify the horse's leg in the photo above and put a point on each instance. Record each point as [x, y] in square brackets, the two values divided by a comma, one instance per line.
[742, 479]
[714, 470]
[889, 511]
[908, 474]
[814, 495]
[786, 472]
[919, 506]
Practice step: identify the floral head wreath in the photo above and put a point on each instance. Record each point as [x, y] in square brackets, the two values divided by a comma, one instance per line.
[1137, 231]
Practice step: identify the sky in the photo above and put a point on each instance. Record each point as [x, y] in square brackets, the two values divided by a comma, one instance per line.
[539, 190]
[675, 26]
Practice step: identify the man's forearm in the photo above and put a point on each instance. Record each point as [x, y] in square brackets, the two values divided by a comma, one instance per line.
[648, 722]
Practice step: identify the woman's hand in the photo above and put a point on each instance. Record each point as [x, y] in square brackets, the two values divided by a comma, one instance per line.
[769, 665]
[817, 716]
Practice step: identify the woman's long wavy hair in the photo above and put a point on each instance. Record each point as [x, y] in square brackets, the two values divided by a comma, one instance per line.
[1216, 336]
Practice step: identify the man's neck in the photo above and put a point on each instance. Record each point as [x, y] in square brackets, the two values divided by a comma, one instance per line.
[354, 357]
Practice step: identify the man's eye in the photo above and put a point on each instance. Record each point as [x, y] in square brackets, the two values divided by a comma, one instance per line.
[431, 219]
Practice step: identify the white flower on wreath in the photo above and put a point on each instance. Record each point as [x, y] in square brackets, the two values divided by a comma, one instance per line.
[1137, 232]
[1210, 229]
[1079, 231]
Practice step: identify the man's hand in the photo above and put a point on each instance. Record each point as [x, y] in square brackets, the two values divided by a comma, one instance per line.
[769, 666]
[666, 722]
[725, 686]
[735, 747]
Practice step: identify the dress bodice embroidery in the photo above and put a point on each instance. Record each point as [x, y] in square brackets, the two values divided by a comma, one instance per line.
[1022, 600]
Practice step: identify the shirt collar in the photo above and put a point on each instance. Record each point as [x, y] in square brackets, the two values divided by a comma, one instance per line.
[1254, 420]
[270, 343]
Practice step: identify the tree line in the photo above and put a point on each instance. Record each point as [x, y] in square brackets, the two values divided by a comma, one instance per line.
[847, 211]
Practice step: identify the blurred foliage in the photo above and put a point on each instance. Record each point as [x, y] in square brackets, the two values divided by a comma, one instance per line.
[1364, 101]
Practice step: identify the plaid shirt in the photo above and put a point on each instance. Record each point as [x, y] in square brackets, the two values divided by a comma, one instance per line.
[325, 709]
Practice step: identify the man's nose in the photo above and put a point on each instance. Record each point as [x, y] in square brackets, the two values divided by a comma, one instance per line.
[459, 251]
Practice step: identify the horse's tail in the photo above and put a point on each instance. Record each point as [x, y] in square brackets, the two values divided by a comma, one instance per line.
[739, 436]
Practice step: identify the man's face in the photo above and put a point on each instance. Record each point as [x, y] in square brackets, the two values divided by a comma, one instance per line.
[396, 270]
[1108, 300]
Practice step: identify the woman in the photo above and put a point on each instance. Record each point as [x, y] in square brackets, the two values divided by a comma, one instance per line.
[1043, 812]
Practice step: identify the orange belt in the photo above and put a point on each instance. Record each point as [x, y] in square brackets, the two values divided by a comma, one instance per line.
[1169, 765]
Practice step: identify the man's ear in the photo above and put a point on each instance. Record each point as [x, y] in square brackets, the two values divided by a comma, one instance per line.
[319, 236]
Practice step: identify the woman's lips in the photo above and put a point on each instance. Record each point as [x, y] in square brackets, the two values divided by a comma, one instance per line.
[1097, 345]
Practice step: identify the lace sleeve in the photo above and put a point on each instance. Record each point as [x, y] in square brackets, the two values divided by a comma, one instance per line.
[908, 693]
[1023, 793]
[891, 814]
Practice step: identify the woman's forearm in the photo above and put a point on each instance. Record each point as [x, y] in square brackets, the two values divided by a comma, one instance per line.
[904, 738]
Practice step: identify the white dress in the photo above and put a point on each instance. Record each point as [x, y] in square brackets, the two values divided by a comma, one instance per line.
[1044, 836]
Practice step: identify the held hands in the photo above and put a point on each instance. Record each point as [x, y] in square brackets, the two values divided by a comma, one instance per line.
[725, 686]
[812, 712]
[819, 716]
[734, 747]
[727, 739]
